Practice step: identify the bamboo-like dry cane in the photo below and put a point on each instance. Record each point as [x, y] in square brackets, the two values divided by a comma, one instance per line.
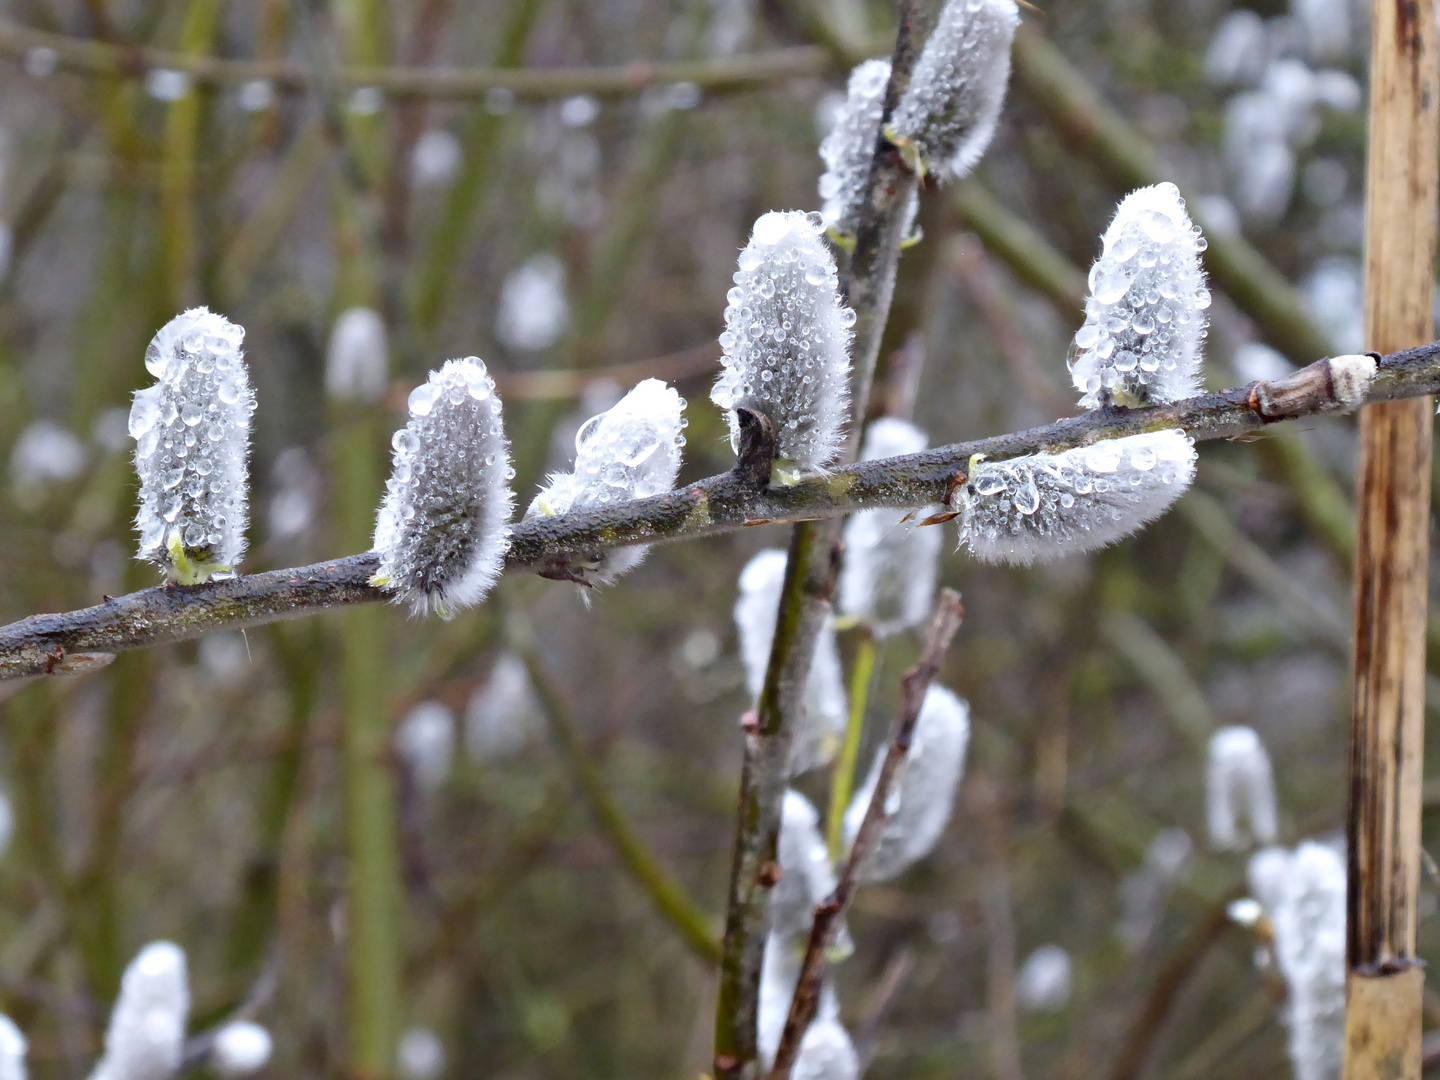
[1385, 981]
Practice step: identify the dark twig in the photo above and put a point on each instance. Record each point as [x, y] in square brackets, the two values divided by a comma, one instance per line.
[45, 644]
[830, 912]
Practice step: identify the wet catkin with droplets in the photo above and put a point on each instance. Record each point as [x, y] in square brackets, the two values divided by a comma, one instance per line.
[949, 110]
[850, 147]
[192, 439]
[1145, 317]
[1043, 506]
[631, 451]
[443, 527]
[787, 342]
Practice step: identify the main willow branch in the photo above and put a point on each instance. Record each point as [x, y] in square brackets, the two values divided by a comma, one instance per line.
[44, 644]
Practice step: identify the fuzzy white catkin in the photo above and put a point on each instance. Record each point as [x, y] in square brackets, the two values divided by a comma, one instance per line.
[1145, 317]
[192, 439]
[630, 451]
[923, 792]
[1044, 506]
[425, 742]
[957, 89]
[1309, 925]
[44, 454]
[1239, 785]
[533, 309]
[420, 1055]
[146, 1036]
[443, 527]
[1266, 874]
[806, 875]
[503, 713]
[240, 1048]
[356, 368]
[891, 566]
[12, 1050]
[823, 724]
[1043, 984]
[826, 1053]
[850, 146]
[779, 974]
[787, 341]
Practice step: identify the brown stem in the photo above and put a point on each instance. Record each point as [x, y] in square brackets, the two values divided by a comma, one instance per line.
[831, 911]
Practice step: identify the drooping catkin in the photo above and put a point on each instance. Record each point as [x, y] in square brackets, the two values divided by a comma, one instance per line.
[1145, 317]
[443, 526]
[956, 92]
[1239, 786]
[12, 1050]
[923, 793]
[146, 1036]
[891, 565]
[822, 724]
[192, 440]
[806, 874]
[631, 451]
[826, 1053]
[1043, 506]
[787, 342]
[850, 147]
[1309, 925]
[779, 974]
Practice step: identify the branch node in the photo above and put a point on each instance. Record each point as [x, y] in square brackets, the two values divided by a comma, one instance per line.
[755, 456]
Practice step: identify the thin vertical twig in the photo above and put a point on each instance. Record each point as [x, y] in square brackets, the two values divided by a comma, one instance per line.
[831, 911]
[867, 285]
[1385, 979]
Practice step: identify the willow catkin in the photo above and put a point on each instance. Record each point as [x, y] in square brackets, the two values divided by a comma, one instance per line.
[192, 442]
[1145, 317]
[443, 526]
[630, 451]
[1239, 789]
[949, 110]
[891, 565]
[822, 723]
[146, 1036]
[849, 149]
[787, 343]
[1042, 506]
[923, 793]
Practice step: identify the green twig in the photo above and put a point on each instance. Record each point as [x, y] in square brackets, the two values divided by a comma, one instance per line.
[843, 776]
